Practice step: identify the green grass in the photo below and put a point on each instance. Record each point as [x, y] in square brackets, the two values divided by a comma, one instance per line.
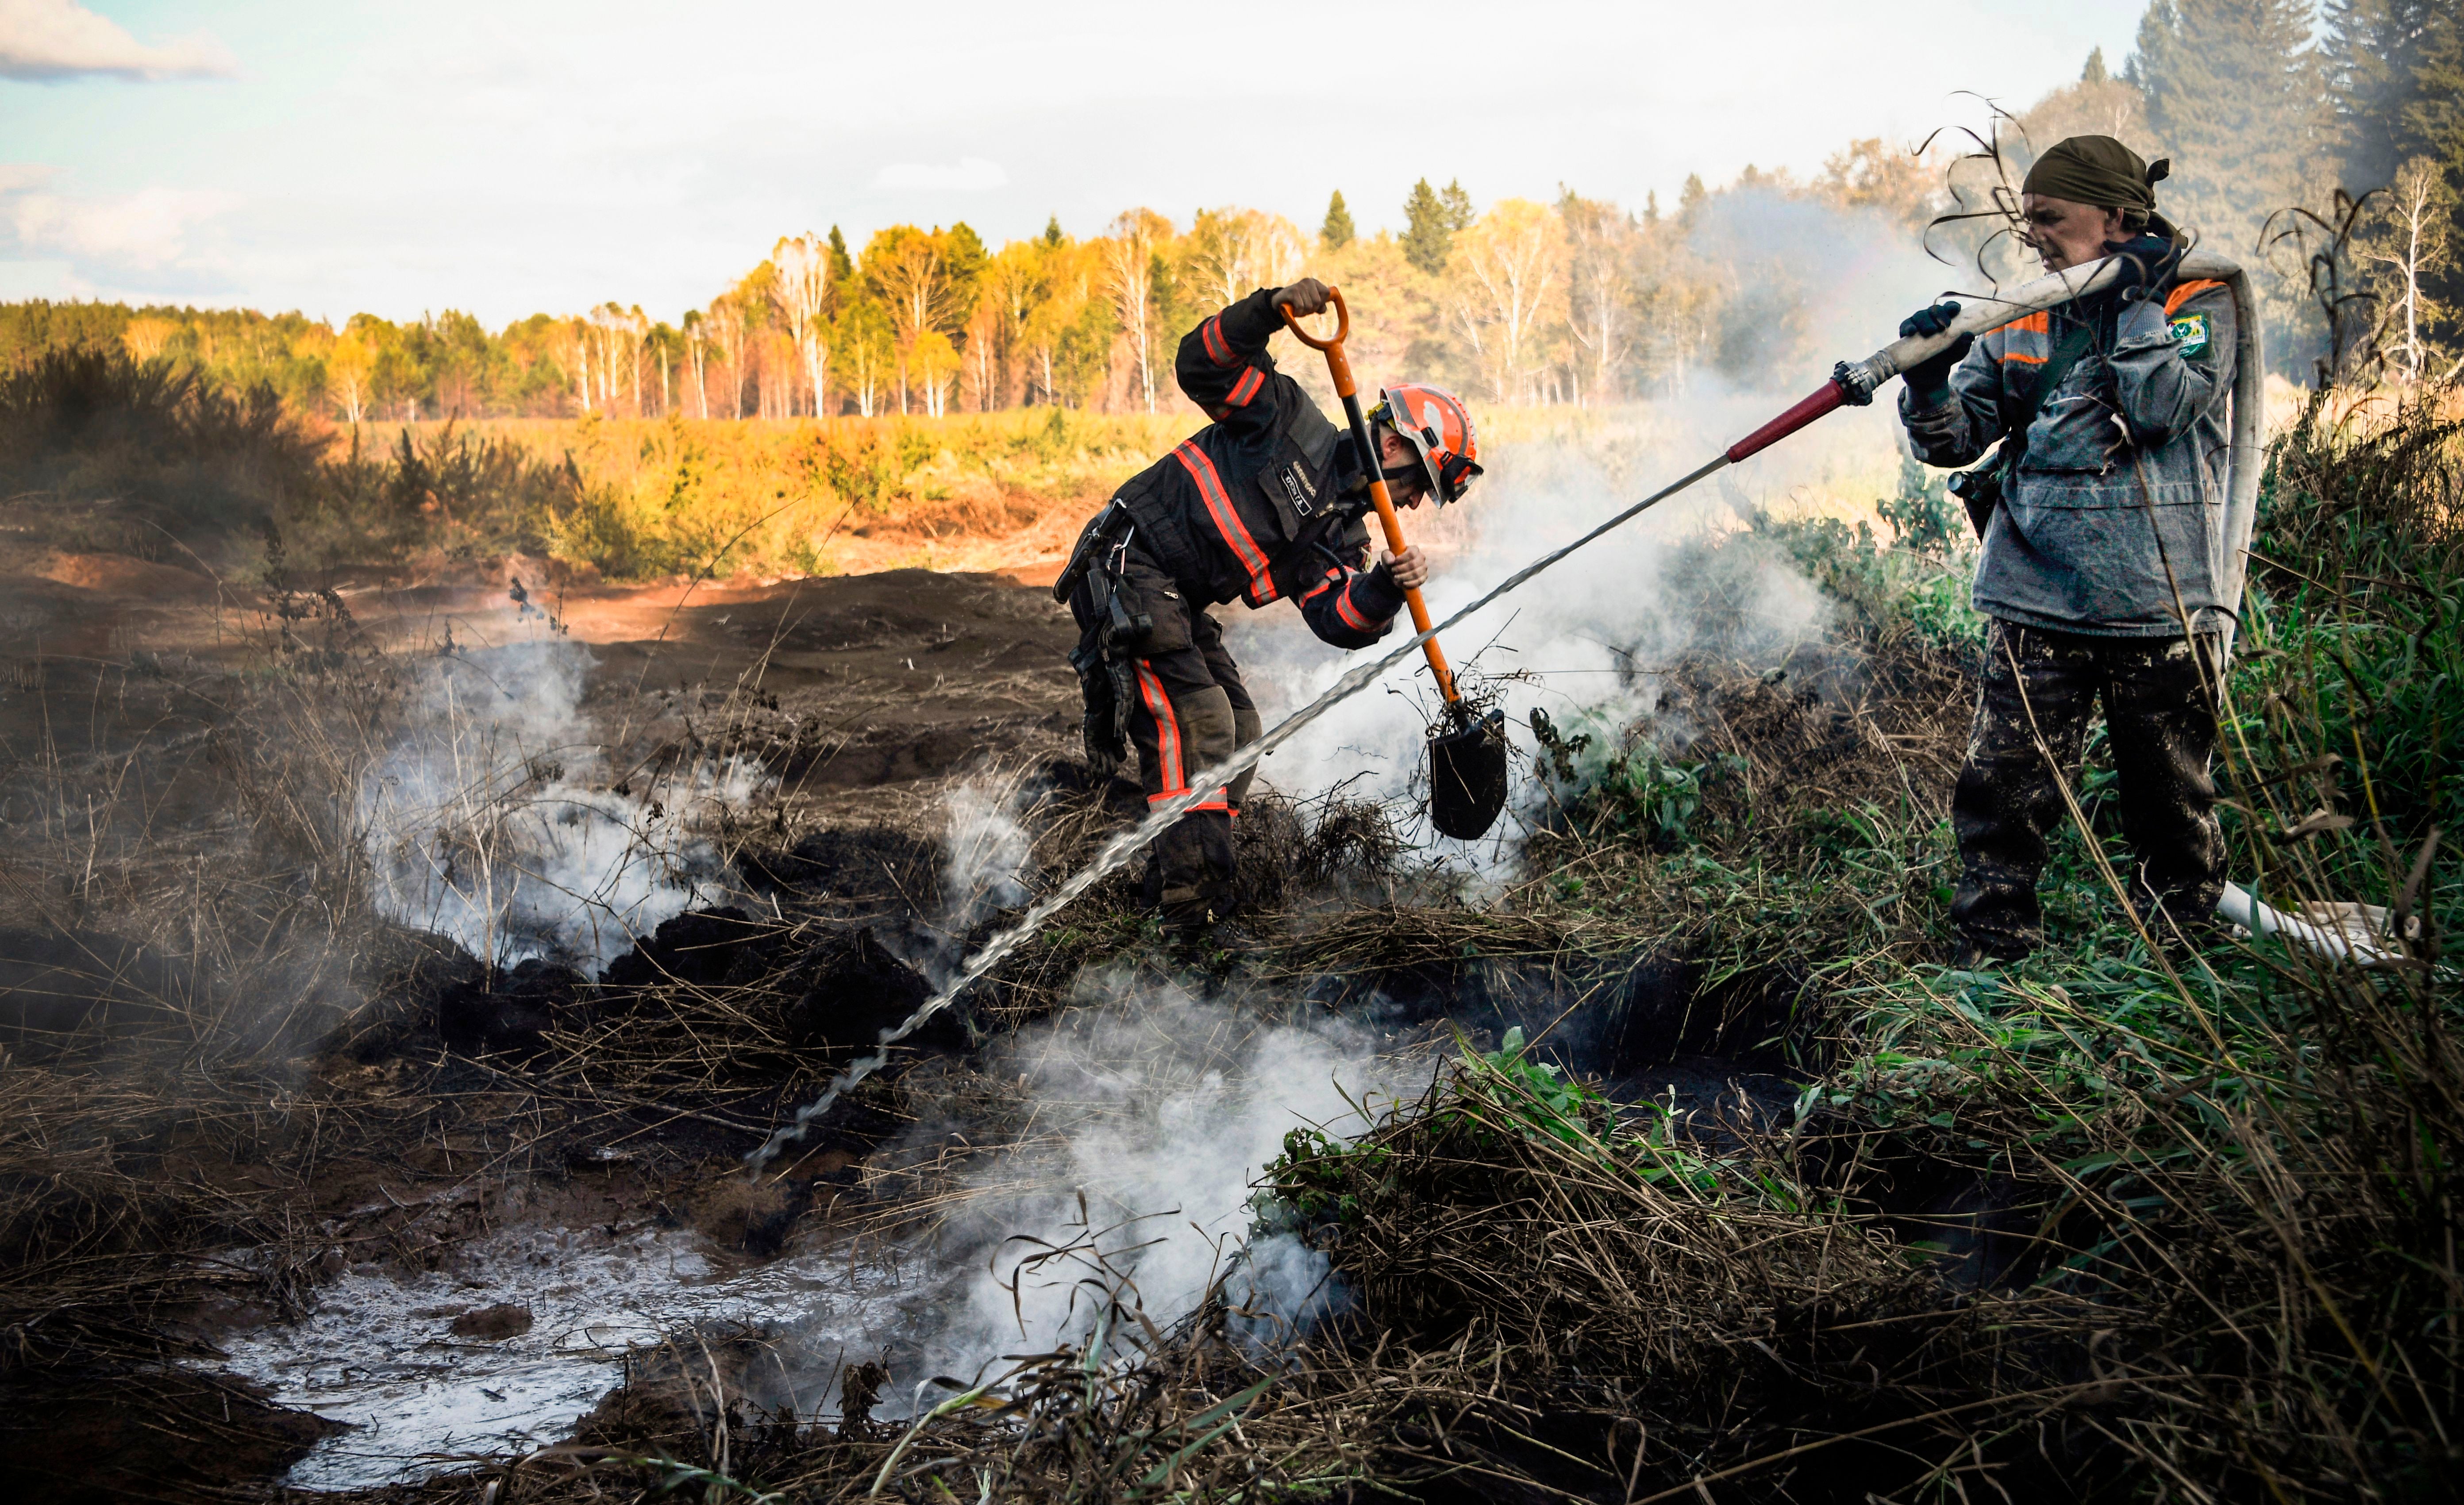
[2230, 1170]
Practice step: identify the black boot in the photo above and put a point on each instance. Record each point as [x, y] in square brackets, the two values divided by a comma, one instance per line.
[1975, 953]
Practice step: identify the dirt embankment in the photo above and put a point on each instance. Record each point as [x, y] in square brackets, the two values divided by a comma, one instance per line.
[868, 680]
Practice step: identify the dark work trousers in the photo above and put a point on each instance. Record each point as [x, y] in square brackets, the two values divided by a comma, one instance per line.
[2159, 721]
[1188, 710]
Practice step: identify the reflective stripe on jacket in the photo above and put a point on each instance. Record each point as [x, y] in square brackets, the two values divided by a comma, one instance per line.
[2119, 500]
[1257, 505]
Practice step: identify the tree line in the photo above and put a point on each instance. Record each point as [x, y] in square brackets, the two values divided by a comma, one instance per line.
[1574, 300]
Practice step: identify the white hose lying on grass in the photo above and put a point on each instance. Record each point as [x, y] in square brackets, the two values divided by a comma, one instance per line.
[2335, 943]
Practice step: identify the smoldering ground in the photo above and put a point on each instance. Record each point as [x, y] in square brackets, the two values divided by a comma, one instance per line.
[1144, 1115]
[496, 816]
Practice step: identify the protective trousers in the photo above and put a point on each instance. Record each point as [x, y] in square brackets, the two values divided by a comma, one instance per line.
[1187, 710]
[2030, 726]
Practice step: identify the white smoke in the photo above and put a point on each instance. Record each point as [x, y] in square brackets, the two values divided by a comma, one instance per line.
[495, 819]
[1161, 1109]
[1588, 637]
[986, 851]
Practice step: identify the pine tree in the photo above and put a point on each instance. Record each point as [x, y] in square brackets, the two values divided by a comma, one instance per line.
[1428, 232]
[2094, 71]
[2372, 56]
[1053, 236]
[2232, 95]
[2433, 122]
[842, 265]
[1336, 232]
[1458, 206]
[2433, 127]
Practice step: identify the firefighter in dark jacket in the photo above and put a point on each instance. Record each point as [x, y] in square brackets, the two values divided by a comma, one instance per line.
[2103, 521]
[1264, 504]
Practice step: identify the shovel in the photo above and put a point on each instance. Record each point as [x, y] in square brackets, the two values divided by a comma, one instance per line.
[1466, 752]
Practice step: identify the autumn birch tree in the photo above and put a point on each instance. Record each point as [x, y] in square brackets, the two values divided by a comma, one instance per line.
[346, 371]
[904, 265]
[692, 335]
[862, 333]
[1599, 292]
[1504, 273]
[802, 289]
[724, 322]
[1129, 278]
[1235, 251]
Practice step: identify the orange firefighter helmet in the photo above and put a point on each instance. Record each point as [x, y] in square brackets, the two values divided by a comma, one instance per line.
[1438, 427]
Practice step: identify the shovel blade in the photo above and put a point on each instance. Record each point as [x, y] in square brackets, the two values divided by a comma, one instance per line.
[1468, 777]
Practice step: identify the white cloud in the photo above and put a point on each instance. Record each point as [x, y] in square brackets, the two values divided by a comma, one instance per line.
[144, 228]
[52, 40]
[473, 154]
[21, 280]
[969, 175]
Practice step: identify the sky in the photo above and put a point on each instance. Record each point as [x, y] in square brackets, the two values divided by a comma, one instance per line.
[524, 156]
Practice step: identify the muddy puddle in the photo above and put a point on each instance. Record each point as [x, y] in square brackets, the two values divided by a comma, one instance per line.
[526, 1330]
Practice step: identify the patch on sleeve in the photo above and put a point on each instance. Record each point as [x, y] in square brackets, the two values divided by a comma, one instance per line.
[2190, 331]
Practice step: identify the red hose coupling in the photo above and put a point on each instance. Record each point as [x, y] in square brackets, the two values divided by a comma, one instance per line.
[1828, 396]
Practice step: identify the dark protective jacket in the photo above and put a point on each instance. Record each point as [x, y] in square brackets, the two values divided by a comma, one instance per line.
[1267, 502]
[2119, 499]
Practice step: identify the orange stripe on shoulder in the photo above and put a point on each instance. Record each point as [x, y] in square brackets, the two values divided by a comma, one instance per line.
[2187, 291]
[2035, 323]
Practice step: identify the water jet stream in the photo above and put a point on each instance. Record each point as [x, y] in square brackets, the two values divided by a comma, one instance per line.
[1118, 852]
[1852, 382]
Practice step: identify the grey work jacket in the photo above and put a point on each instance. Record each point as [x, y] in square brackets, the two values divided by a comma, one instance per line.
[2125, 469]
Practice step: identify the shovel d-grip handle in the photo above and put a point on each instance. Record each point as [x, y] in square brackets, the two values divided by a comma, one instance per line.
[1338, 367]
[1333, 344]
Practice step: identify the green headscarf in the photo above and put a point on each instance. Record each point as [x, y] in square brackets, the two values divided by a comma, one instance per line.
[2100, 170]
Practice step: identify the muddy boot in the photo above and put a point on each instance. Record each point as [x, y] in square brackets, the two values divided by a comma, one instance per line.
[1978, 952]
[1190, 876]
[1189, 929]
[2184, 937]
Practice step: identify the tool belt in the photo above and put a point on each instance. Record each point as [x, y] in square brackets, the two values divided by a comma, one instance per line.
[1117, 632]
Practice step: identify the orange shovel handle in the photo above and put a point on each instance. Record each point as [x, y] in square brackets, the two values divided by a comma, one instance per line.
[1338, 366]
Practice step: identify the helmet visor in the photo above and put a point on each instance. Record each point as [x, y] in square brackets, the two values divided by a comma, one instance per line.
[1447, 472]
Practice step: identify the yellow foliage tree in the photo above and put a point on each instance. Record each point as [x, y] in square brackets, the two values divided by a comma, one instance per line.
[935, 362]
[348, 367]
[1506, 290]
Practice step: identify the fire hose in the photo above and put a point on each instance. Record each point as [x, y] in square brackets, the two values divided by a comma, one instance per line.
[1852, 383]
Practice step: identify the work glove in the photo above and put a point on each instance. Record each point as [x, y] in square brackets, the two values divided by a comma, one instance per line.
[2147, 265]
[1929, 380]
[1306, 296]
